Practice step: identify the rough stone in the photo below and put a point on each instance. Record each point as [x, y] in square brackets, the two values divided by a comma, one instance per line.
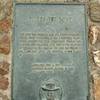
[5, 8]
[8, 7]
[2, 12]
[95, 11]
[97, 58]
[94, 36]
[4, 68]
[3, 97]
[3, 83]
[97, 89]
[5, 44]
[5, 25]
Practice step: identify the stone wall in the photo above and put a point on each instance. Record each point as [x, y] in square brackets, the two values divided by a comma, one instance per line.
[6, 24]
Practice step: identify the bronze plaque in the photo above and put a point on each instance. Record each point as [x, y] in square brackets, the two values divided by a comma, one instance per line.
[50, 52]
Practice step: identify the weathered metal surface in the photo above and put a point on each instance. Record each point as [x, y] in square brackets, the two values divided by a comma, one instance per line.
[50, 52]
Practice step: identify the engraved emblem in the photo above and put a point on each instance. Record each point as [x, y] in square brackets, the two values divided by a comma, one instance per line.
[50, 90]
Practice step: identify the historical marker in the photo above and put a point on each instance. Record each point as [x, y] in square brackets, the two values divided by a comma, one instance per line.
[50, 52]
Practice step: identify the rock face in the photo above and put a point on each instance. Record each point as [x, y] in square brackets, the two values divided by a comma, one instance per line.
[4, 68]
[97, 89]
[94, 39]
[3, 97]
[5, 30]
[95, 11]
[3, 83]
[5, 8]
[5, 44]
[5, 25]
[2, 12]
